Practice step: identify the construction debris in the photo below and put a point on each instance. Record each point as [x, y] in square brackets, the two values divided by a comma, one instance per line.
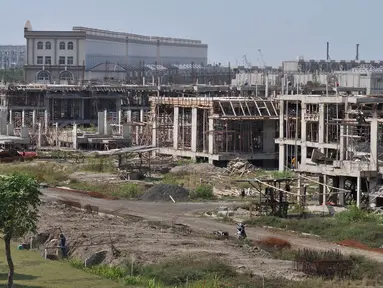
[240, 167]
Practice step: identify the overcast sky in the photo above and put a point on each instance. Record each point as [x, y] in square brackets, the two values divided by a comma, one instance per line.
[282, 29]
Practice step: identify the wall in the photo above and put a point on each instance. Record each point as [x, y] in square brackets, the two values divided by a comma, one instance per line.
[99, 51]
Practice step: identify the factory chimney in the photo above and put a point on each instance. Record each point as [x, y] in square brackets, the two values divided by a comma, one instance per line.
[328, 51]
[357, 52]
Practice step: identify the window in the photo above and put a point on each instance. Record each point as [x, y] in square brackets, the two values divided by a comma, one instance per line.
[62, 45]
[39, 60]
[70, 59]
[43, 75]
[66, 75]
[48, 60]
[48, 45]
[40, 45]
[62, 60]
[70, 45]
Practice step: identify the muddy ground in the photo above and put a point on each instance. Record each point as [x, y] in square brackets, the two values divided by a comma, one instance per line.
[149, 242]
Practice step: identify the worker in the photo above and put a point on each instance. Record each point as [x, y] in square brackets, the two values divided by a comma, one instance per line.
[293, 162]
[62, 245]
[243, 194]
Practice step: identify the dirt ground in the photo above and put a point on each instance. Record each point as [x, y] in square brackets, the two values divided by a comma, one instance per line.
[150, 241]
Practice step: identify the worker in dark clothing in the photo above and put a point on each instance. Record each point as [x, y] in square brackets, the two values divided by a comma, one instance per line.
[62, 245]
[243, 194]
[361, 120]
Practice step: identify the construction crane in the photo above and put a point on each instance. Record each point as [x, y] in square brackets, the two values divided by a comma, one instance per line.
[265, 72]
[262, 60]
[247, 66]
[246, 62]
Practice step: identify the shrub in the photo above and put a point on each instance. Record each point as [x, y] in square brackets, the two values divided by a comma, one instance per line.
[203, 191]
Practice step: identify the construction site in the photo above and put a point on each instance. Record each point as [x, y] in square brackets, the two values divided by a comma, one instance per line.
[142, 163]
[334, 136]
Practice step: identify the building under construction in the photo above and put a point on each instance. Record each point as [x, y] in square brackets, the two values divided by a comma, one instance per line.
[51, 108]
[337, 137]
[214, 123]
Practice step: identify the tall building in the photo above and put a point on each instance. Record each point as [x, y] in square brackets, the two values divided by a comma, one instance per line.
[56, 56]
[11, 56]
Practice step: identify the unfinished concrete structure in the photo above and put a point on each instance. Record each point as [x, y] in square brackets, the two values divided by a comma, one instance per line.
[337, 137]
[48, 109]
[214, 123]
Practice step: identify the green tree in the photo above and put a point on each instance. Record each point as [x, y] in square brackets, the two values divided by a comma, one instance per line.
[19, 202]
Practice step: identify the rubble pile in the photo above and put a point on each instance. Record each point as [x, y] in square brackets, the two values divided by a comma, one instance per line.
[240, 167]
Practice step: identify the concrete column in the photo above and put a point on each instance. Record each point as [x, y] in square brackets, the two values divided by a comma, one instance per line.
[299, 189]
[105, 122]
[57, 134]
[211, 136]
[10, 131]
[74, 137]
[175, 127]
[321, 126]
[321, 181]
[374, 145]
[303, 134]
[341, 193]
[119, 120]
[129, 116]
[281, 157]
[324, 189]
[154, 132]
[137, 128]
[23, 118]
[10, 116]
[281, 135]
[342, 146]
[39, 136]
[194, 130]
[141, 120]
[34, 120]
[46, 121]
[100, 123]
[4, 121]
[126, 131]
[24, 132]
[358, 191]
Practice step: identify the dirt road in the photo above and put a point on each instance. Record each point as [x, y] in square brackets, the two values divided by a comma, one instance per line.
[184, 213]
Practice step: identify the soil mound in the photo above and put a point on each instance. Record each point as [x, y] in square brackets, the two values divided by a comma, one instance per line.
[161, 193]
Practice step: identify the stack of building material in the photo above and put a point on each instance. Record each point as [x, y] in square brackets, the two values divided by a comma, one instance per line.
[240, 167]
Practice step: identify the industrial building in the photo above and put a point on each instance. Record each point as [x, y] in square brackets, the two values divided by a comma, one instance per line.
[55, 56]
[11, 56]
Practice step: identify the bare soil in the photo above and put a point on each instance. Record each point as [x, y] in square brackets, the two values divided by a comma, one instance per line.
[148, 242]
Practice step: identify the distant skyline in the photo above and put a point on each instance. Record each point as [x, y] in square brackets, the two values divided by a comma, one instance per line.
[283, 30]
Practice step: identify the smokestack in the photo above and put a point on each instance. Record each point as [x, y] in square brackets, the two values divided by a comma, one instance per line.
[357, 52]
[328, 51]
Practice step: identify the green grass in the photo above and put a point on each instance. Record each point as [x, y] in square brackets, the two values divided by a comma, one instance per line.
[353, 224]
[32, 271]
[203, 191]
[123, 191]
[50, 173]
[193, 272]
